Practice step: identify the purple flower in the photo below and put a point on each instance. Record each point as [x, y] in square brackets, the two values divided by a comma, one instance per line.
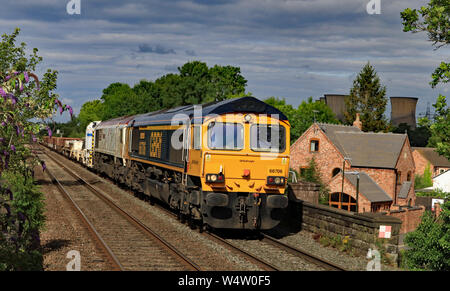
[13, 148]
[49, 132]
[70, 110]
[33, 137]
[17, 130]
[2, 92]
[13, 99]
[27, 78]
[43, 166]
[2, 139]
[3, 123]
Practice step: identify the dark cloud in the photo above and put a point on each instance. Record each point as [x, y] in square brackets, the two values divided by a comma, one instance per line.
[191, 53]
[157, 49]
[286, 48]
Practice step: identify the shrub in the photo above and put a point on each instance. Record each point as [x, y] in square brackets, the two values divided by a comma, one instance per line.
[429, 244]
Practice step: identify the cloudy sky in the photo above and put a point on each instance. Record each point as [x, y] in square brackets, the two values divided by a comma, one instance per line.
[285, 48]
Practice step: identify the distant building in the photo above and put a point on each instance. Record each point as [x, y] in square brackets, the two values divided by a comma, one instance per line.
[403, 110]
[337, 104]
[384, 161]
[424, 156]
[442, 181]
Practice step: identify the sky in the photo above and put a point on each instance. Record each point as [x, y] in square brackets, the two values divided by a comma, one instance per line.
[290, 49]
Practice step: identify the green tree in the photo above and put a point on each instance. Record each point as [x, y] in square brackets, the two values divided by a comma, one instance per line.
[425, 179]
[435, 20]
[312, 174]
[226, 82]
[90, 111]
[440, 129]
[429, 244]
[418, 137]
[367, 97]
[303, 117]
[119, 100]
[310, 111]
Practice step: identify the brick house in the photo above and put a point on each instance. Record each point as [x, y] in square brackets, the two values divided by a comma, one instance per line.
[424, 156]
[384, 162]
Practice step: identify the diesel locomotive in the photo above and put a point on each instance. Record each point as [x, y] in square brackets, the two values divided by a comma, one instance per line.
[222, 164]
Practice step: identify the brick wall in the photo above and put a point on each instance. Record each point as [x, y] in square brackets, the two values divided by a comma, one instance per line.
[420, 163]
[410, 217]
[327, 158]
[362, 229]
[304, 191]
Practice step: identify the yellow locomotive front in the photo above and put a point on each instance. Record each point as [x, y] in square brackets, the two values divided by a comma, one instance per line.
[243, 163]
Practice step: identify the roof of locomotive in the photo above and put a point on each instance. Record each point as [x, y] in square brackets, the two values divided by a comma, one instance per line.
[243, 104]
[116, 122]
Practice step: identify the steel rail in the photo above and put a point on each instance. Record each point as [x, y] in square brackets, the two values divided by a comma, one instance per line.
[113, 259]
[267, 266]
[100, 194]
[302, 254]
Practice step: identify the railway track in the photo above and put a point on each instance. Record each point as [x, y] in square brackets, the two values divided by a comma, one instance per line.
[263, 264]
[129, 244]
[327, 265]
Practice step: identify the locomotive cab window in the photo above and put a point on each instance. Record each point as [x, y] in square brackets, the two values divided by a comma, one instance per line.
[197, 138]
[267, 138]
[225, 136]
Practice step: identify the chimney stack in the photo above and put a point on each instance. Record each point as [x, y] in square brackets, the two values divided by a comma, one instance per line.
[357, 123]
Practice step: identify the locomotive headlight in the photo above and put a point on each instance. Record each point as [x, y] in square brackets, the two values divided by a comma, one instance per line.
[215, 178]
[275, 181]
[247, 118]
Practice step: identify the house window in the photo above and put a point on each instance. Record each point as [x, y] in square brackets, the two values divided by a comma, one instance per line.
[342, 201]
[399, 178]
[408, 177]
[335, 172]
[314, 145]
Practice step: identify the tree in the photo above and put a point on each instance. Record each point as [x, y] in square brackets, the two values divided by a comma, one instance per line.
[118, 100]
[368, 98]
[440, 129]
[226, 82]
[418, 137]
[429, 244]
[310, 111]
[435, 20]
[90, 111]
[301, 118]
[24, 97]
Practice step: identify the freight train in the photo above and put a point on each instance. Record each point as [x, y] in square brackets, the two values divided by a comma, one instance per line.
[222, 165]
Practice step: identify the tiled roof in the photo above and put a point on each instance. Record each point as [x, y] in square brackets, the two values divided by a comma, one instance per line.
[433, 157]
[378, 150]
[368, 188]
[404, 190]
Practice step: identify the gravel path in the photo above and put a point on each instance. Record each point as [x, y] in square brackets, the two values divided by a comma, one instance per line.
[304, 240]
[65, 232]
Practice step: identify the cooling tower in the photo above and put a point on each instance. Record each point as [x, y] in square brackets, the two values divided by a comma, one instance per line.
[337, 105]
[403, 110]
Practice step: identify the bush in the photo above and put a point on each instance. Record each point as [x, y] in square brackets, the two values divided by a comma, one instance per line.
[425, 180]
[20, 221]
[429, 244]
[312, 174]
